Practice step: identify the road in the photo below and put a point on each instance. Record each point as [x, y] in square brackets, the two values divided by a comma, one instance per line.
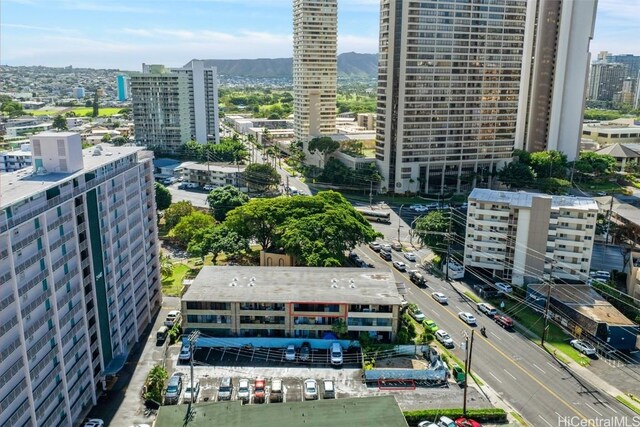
[540, 388]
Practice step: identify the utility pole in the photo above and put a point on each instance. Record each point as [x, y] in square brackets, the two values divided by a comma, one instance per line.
[448, 246]
[370, 194]
[399, 221]
[467, 369]
[546, 306]
[193, 339]
[606, 239]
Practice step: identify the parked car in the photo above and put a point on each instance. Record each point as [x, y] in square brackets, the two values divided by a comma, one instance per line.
[375, 246]
[226, 388]
[427, 423]
[446, 422]
[329, 391]
[173, 390]
[487, 309]
[583, 347]
[467, 318]
[94, 422]
[444, 338]
[416, 313]
[243, 390]
[276, 390]
[353, 256]
[259, 391]
[336, 354]
[385, 255]
[410, 256]
[188, 394]
[290, 353]
[396, 246]
[209, 187]
[400, 266]
[440, 297]
[485, 290]
[385, 247]
[417, 277]
[467, 422]
[310, 389]
[305, 352]
[185, 353]
[173, 317]
[430, 325]
[504, 321]
[503, 287]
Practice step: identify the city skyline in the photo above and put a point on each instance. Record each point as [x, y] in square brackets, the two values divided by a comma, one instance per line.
[123, 34]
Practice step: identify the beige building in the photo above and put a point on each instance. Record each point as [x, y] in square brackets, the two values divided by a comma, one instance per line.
[214, 174]
[291, 301]
[516, 236]
[622, 131]
[315, 64]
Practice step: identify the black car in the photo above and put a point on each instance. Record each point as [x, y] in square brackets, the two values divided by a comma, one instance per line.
[305, 352]
[385, 255]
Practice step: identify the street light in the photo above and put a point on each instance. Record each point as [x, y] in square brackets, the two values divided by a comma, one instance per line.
[399, 221]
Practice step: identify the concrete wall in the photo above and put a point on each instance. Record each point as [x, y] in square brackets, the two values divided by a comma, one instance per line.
[270, 259]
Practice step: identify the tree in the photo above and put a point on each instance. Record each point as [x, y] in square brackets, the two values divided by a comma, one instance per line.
[216, 240]
[188, 225]
[229, 150]
[590, 163]
[119, 141]
[163, 197]
[352, 148]
[517, 175]
[106, 137]
[427, 227]
[176, 211]
[261, 177]
[549, 164]
[223, 199]
[193, 150]
[95, 105]
[339, 327]
[59, 123]
[166, 265]
[154, 384]
[324, 145]
[12, 108]
[553, 185]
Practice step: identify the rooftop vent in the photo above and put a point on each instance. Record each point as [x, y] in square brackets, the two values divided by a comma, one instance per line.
[334, 285]
[232, 284]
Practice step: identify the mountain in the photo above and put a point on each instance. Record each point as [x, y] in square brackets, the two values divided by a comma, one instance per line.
[349, 64]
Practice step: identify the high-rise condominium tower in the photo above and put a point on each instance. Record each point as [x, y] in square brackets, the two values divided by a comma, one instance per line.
[314, 68]
[79, 275]
[174, 106]
[448, 85]
[554, 74]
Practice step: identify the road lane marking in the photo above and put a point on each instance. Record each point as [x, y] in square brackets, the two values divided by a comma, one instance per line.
[497, 337]
[495, 377]
[593, 409]
[509, 373]
[553, 367]
[610, 407]
[539, 368]
[542, 418]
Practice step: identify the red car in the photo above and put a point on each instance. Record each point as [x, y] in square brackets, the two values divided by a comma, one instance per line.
[504, 321]
[259, 391]
[467, 422]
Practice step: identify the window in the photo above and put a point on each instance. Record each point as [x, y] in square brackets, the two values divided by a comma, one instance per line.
[44, 285]
[37, 222]
[47, 304]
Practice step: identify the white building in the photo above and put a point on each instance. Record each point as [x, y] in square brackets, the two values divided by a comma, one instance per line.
[14, 160]
[315, 65]
[79, 275]
[516, 236]
[174, 106]
[215, 174]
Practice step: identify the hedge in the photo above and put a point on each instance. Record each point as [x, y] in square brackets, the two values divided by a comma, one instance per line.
[490, 415]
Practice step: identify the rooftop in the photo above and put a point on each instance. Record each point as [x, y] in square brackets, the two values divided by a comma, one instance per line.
[218, 167]
[524, 199]
[378, 410]
[586, 301]
[22, 184]
[288, 284]
[619, 151]
[54, 134]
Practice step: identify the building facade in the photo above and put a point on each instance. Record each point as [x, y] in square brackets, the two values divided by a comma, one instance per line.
[554, 74]
[525, 237]
[315, 65]
[79, 276]
[606, 80]
[173, 106]
[11, 161]
[213, 174]
[291, 302]
[124, 87]
[447, 94]
[78, 92]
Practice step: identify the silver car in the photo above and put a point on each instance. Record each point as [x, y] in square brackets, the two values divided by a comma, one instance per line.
[583, 347]
[310, 389]
[467, 318]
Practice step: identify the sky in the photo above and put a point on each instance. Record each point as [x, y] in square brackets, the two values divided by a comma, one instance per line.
[125, 33]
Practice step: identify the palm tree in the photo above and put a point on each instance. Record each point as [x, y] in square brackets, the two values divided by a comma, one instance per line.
[166, 266]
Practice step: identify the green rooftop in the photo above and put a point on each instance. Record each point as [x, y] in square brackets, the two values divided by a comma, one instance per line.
[367, 411]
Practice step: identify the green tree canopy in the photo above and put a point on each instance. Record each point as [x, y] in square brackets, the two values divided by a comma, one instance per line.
[59, 123]
[323, 144]
[517, 175]
[176, 211]
[11, 108]
[223, 199]
[554, 185]
[590, 163]
[261, 177]
[163, 197]
[95, 106]
[229, 150]
[216, 240]
[119, 141]
[189, 225]
[549, 164]
[426, 226]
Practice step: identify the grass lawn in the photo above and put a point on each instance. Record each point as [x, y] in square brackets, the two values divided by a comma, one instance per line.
[80, 111]
[629, 404]
[612, 187]
[172, 285]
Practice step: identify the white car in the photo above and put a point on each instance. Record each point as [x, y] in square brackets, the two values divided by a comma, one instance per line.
[209, 187]
[467, 317]
[444, 338]
[440, 297]
[173, 317]
[504, 287]
[336, 354]
[188, 395]
[185, 353]
[410, 256]
[427, 424]
[310, 389]
[400, 266]
[243, 390]
[94, 422]
[583, 347]
[417, 314]
[385, 247]
[446, 422]
[290, 353]
[487, 309]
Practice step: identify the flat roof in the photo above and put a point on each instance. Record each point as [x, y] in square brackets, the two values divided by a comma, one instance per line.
[524, 199]
[586, 301]
[54, 134]
[376, 410]
[220, 167]
[22, 184]
[294, 284]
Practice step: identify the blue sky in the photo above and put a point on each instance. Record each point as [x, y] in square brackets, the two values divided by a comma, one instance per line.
[124, 34]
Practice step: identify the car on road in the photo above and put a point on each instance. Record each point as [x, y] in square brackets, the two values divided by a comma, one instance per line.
[416, 207]
[276, 390]
[336, 354]
[504, 321]
[503, 287]
[290, 353]
[583, 347]
[416, 313]
[385, 255]
[400, 266]
[410, 256]
[188, 395]
[430, 325]
[487, 309]
[243, 390]
[259, 391]
[185, 353]
[467, 422]
[173, 317]
[444, 338]
[226, 388]
[94, 422]
[310, 389]
[417, 277]
[353, 256]
[385, 247]
[305, 352]
[375, 246]
[173, 390]
[396, 246]
[467, 317]
[440, 297]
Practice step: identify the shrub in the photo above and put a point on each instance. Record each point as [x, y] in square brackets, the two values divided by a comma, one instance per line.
[489, 415]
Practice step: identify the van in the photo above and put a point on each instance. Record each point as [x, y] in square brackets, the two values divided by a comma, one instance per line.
[329, 390]
[226, 387]
[161, 334]
[416, 277]
[293, 190]
[276, 390]
[336, 354]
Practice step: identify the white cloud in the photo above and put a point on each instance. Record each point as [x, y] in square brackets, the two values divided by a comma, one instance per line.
[40, 29]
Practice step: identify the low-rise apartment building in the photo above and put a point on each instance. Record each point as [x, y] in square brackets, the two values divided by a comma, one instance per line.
[14, 160]
[292, 302]
[214, 174]
[522, 237]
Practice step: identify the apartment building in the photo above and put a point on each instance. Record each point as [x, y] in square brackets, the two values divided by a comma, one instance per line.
[174, 106]
[14, 160]
[213, 174]
[79, 275]
[315, 69]
[291, 302]
[124, 87]
[523, 237]
[606, 80]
